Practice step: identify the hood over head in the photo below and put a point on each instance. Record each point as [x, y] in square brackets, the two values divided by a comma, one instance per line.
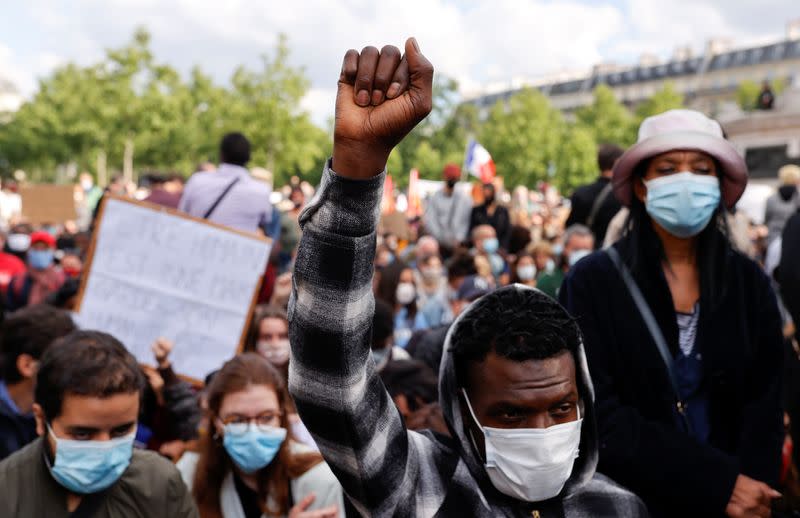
[586, 463]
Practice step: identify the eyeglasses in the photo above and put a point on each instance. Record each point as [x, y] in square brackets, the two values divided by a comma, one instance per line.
[239, 424]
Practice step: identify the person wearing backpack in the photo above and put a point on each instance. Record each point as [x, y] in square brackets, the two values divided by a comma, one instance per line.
[229, 196]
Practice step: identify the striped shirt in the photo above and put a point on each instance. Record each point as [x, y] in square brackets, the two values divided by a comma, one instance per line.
[687, 329]
[384, 469]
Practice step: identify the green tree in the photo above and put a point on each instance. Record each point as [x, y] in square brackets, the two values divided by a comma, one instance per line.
[129, 106]
[607, 119]
[666, 98]
[264, 107]
[523, 136]
[439, 139]
[748, 91]
[576, 162]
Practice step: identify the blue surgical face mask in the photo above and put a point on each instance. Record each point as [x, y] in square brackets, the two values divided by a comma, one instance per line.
[497, 264]
[576, 256]
[558, 249]
[683, 203]
[491, 245]
[40, 259]
[86, 467]
[251, 448]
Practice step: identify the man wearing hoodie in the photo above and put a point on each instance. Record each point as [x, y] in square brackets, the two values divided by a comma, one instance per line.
[514, 386]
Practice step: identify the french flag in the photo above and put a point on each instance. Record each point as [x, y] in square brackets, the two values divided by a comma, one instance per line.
[479, 162]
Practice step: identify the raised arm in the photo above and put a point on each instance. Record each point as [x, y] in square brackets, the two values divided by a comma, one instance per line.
[382, 96]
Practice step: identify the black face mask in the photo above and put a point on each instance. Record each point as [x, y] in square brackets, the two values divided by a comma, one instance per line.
[451, 183]
[489, 199]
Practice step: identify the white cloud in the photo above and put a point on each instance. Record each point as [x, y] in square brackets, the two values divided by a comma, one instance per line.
[478, 43]
[318, 102]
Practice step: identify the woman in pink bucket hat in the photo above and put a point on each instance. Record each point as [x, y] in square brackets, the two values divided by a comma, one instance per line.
[682, 332]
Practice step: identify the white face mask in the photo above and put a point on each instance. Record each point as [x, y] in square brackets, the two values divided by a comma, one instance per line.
[526, 272]
[276, 352]
[530, 464]
[19, 242]
[406, 293]
[577, 255]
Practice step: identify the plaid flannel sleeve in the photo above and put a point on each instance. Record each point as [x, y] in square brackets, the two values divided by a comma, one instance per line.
[338, 393]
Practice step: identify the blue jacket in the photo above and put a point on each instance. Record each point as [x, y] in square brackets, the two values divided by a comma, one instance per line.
[15, 430]
[740, 341]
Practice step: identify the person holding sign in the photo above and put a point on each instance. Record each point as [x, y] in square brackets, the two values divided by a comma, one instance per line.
[249, 464]
[83, 464]
[515, 393]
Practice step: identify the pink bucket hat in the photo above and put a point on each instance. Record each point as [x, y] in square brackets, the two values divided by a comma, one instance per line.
[682, 130]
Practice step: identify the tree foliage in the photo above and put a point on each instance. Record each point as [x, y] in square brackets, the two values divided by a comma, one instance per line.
[748, 92]
[667, 98]
[171, 123]
[608, 120]
[129, 99]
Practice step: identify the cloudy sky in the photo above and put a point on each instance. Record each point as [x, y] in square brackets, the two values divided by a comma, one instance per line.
[479, 42]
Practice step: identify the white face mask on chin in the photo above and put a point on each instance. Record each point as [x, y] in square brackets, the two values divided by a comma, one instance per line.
[530, 464]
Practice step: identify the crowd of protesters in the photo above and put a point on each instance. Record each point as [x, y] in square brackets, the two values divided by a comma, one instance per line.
[627, 351]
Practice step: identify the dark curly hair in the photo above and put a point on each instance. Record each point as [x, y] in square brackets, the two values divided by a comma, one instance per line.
[518, 324]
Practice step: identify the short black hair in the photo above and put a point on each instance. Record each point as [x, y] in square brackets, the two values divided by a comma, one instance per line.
[156, 179]
[607, 155]
[518, 324]
[175, 177]
[30, 331]
[234, 149]
[413, 379]
[461, 265]
[382, 323]
[85, 363]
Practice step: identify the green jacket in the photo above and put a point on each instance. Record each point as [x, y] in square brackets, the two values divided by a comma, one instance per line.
[550, 282]
[151, 487]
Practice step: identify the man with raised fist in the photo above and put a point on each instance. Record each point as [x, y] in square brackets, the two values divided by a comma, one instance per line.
[514, 387]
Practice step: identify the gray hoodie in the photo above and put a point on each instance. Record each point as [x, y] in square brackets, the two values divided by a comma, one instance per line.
[384, 469]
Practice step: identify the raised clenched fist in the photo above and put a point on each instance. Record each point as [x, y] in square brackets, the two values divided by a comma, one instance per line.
[382, 96]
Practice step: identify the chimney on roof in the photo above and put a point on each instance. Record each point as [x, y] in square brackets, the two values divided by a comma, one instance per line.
[606, 68]
[716, 46]
[793, 29]
[682, 53]
[648, 60]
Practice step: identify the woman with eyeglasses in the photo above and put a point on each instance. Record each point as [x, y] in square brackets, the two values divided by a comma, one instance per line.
[249, 466]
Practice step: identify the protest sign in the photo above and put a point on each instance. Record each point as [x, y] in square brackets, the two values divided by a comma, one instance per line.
[46, 203]
[154, 272]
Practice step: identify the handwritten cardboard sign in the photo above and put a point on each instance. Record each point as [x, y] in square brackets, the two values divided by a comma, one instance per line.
[154, 272]
[45, 203]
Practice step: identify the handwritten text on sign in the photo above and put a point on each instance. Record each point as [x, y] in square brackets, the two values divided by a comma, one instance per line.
[154, 274]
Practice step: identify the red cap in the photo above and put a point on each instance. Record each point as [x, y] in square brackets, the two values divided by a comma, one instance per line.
[43, 237]
[452, 172]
